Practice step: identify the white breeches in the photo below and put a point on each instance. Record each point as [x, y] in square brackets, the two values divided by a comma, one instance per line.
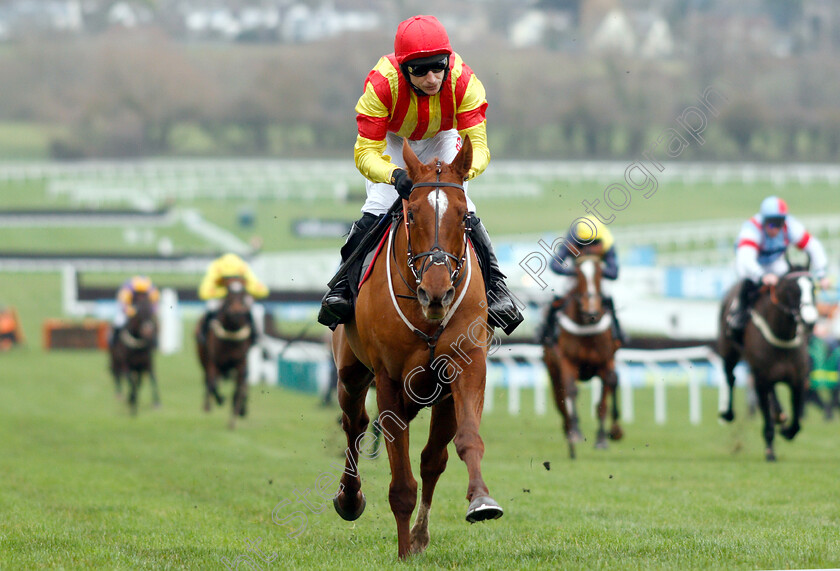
[444, 145]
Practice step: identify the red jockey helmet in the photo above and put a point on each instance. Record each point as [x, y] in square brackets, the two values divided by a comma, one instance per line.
[420, 36]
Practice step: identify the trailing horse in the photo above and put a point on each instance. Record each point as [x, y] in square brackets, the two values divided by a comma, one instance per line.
[132, 353]
[775, 346]
[420, 333]
[224, 350]
[585, 348]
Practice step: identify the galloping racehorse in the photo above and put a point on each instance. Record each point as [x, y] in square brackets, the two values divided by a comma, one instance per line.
[420, 333]
[225, 350]
[132, 353]
[585, 348]
[775, 346]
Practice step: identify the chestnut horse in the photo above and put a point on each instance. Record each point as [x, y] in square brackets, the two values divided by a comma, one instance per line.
[775, 346]
[132, 352]
[585, 348]
[225, 349]
[421, 334]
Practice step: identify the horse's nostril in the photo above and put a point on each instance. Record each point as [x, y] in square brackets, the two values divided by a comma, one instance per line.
[449, 296]
[422, 296]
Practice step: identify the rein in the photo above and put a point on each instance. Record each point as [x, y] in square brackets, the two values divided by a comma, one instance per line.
[436, 255]
[764, 327]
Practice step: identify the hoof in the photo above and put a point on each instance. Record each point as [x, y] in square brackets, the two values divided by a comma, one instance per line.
[788, 433]
[572, 454]
[483, 508]
[769, 455]
[601, 444]
[616, 433]
[728, 416]
[350, 516]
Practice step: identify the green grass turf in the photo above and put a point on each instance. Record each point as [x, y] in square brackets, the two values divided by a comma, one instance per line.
[87, 486]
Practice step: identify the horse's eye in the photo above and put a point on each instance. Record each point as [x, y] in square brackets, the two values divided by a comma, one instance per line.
[410, 216]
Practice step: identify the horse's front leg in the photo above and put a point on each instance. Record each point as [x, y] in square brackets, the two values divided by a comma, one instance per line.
[432, 464]
[552, 362]
[468, 396]
[797, 403]
[616, 432]
[609, 384]
[353, 383]
[569, 378]
[729, 370]
[765, 398]
[240, 393]
[134, 385]
[153, 381]
[402, 493]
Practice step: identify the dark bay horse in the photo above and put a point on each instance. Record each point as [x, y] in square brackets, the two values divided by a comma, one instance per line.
[585, 348]
[421, 334]
[224, 351]
[132, 353]
[775, 346]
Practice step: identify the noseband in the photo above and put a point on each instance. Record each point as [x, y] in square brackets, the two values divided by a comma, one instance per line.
[437, 255]
[793, 312]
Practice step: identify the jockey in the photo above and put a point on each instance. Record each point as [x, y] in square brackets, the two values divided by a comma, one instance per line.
[759, 256]
[130, 292]
[589, 233]
[213, 288]
[425, 93]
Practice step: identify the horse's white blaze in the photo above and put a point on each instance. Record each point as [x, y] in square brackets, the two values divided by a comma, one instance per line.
[807, 309]
[235, 286]
[587, 268]
[442, 202]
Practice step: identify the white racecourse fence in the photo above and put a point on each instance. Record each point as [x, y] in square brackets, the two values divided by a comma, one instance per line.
[149, 183]
[519, 367]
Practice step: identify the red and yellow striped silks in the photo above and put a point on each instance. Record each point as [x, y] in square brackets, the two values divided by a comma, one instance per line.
[388, 104]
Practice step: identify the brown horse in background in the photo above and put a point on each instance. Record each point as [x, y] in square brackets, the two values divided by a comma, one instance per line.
[224, 352]
[421, 334]
[775, 346]
[132, 353]
[585, 348]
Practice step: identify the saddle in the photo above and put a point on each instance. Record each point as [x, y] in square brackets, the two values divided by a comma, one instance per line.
[360, 270]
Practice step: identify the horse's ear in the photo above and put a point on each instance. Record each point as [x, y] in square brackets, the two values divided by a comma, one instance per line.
[412, 163]
[463, 160]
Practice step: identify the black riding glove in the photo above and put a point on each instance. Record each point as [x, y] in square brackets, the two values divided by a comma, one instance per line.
[402, 183]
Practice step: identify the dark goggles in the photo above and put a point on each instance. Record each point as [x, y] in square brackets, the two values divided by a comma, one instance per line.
[421, 68]
[774, 222]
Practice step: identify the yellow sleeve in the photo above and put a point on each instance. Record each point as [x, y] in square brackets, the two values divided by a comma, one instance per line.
[124, 296]
[371, 160]
[209, 288]
[254, 286]
[481, 152]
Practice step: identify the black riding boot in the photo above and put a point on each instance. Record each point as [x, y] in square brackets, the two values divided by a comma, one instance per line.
[337, 304]
[547, 334]
[740, 311]
[115, 333]
[502, 311]
[617, 332]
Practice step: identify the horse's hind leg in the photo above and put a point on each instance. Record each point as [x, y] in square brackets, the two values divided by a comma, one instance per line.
[240, 395]
[432, 464]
